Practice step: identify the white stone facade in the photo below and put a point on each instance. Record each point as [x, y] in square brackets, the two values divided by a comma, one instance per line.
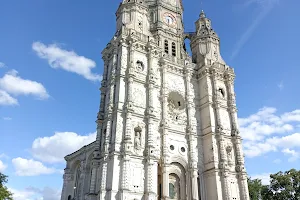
[167, 123]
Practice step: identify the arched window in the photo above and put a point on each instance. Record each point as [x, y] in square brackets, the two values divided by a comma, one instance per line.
[173, 49]
[166, 46]
[77, 180]
[172, 192]
[69, 197]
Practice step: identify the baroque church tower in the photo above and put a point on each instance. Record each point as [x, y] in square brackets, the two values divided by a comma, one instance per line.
[167, 123]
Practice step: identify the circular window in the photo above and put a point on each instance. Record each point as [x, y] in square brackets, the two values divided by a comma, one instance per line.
[172, 147]
[176, 101]
[182, 149]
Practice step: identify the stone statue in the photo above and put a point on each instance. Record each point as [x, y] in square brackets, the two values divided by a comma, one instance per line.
[229, 155]
[137, 137]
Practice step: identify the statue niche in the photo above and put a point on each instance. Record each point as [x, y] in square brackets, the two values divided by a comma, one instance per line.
[137, 138]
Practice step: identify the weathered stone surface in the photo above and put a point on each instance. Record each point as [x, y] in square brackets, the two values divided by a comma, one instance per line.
[167, 125]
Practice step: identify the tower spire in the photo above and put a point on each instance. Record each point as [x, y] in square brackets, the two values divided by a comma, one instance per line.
[206, 41]
[202, 14]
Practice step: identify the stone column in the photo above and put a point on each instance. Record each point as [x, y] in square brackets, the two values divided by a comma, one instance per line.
[82, 180]
[225, 184]
[244, 186]
[152, 180]
[240, 166]
[220, 137]
[107, 132]
[106, 135]
[164, 126]
[219, 127]
[191, 135]
[128, 129]
[129, 106]
[152, 161]
[164, 99]
[103, 180]
[100, 115]
[67, 185]
[125, 173]
[150, 111]
[93, 177]
[120, 77]
[165, 182]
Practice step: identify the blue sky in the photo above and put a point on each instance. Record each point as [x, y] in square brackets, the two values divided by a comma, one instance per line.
[46, 100]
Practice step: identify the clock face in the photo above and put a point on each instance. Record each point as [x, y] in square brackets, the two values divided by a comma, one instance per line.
[169, 19]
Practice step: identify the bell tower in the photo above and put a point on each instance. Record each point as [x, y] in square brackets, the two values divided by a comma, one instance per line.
[167, 122]
[223, 161]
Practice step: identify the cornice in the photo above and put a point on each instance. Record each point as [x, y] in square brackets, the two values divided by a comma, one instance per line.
[84, 149]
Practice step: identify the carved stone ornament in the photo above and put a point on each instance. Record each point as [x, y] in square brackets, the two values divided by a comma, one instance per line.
[223, 165]
[220, 129]
[216, 55]
[239, 168]
[140, 66]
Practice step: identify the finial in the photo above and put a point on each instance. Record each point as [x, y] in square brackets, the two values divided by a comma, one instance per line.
[202, 14]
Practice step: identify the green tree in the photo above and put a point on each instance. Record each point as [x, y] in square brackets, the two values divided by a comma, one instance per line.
[283, 186]
[4, 193]
[255, 187]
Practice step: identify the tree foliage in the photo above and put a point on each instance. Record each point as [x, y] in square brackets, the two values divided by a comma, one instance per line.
[255, 187]
[4, 193]
[283, 186]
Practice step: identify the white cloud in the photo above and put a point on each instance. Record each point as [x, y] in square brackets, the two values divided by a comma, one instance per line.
[6, 99]
[13, 84]
[288, 141]
[292, 153]
[264, 6]
[263, 123]
[66, 60]
[2, 65]
[25, 167]
[7, 118]
[293, 116]
[265, 178]
[2, 166]
[32, 193]
[254, 149]
[261, 132]
[54, 148]
[47, 193]
[22, 194]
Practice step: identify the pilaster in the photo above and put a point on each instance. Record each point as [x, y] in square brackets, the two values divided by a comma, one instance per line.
[152, 163]
[94, 175]
[191, 138]
[67, 184]
[164, 131]
[236, 139]
[125, 181]
[220, 138]
[103, 180]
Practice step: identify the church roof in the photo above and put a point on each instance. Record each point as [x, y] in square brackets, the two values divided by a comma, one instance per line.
[80, 151]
